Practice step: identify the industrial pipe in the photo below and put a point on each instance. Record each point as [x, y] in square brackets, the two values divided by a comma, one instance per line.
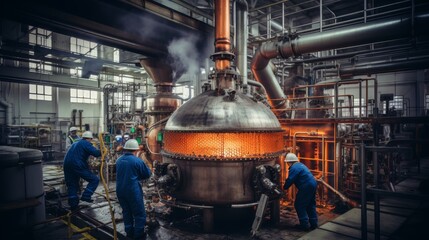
[257, 84]
[242, 35]
[342, 37]
[393, 66]
[80, 119]
[8, 111]
[342, 197]
[222, 33]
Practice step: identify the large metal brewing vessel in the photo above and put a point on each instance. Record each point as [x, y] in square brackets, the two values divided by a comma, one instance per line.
[159, 106]
[217, 140]
[215, 143]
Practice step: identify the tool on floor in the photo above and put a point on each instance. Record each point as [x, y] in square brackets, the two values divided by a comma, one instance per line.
[262, 205]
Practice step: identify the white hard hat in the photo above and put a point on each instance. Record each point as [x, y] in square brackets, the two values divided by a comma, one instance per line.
[87, 134]
[73, 129]
[131, 144]
[291, 157]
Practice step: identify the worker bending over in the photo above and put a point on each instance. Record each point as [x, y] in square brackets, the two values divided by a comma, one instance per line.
[76, 167]
[305, 201]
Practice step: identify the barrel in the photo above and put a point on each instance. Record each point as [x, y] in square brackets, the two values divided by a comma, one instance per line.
[22, 202]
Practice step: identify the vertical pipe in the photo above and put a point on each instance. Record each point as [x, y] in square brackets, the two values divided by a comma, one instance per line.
[412, 19]
[269, 23]
[375, 98]
[364, 10]
[323, 157]
[283, 17]
[19, 104]
[376, 197]
[338, 164]
[336, 100]
[363, 192]
[360, 99]
[222, 30]
[366, 98]
[242, 34]
[321, 15]
[306, 103]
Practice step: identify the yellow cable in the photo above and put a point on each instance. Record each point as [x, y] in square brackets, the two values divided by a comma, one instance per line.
[103, 150]
[76, 229]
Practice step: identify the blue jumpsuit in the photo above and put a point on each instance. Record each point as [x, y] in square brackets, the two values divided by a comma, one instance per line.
[76, 167]
[130, 170]
[305, 201]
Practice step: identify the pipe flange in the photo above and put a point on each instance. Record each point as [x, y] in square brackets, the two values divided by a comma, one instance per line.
[222, 56]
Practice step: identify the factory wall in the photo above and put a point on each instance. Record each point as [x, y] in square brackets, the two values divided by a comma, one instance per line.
[27, 111]
[409, 84]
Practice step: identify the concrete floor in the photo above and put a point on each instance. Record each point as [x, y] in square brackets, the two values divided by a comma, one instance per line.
[172, 223]
[399, 218]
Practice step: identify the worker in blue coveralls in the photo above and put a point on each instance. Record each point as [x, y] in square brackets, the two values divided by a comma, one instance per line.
[305, 201]
[130, 170]
[76, 167]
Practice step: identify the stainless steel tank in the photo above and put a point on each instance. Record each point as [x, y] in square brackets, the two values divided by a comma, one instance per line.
[216, 140]
[221, 147]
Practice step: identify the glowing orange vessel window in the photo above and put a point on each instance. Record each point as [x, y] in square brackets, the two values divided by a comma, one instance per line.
[223, 145]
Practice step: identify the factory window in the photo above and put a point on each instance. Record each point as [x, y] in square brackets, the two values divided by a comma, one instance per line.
[123, 78]
[84, 47]
[40, 92]
[116, 55]
[123, 98]
[40, 37]
[83, 96]
[398, 103]
[356, 107]
[77, 72]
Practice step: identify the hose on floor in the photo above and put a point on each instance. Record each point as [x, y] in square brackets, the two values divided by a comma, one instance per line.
[103, 150]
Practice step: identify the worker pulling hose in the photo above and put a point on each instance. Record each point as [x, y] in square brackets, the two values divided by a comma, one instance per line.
[106, 189]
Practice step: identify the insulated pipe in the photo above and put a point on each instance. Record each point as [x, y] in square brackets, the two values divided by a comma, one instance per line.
[318, 67]
[370, 68]
[242, 34]
[223, 33]
[337, 38]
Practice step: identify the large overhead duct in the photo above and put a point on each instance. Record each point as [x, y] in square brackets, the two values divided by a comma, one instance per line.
[342, 37]
[383, 67]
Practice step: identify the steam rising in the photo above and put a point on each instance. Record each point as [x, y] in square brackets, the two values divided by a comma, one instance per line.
[185, 49]
[183, 56]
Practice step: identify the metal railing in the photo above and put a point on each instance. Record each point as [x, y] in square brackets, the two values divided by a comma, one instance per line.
[376, 191]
